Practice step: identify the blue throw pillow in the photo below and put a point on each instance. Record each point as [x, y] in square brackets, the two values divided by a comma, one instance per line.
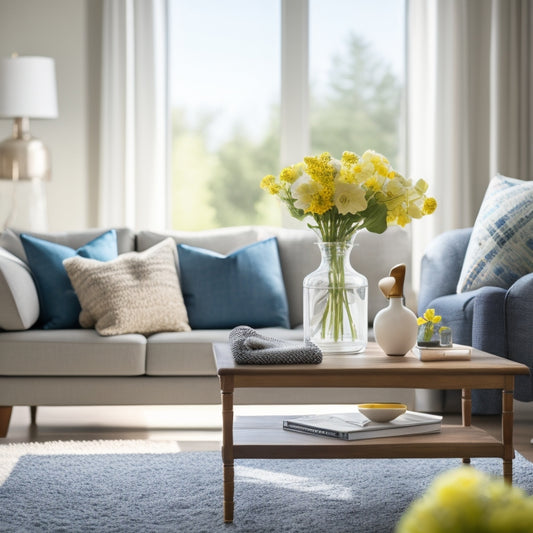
[59, 305]
[243, 288]
[500, 250]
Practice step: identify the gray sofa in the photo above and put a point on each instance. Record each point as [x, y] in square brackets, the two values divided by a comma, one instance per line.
[81, 367]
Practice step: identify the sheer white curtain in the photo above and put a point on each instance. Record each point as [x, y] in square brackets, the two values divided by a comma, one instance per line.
[512, 88]
[469, 103]
[133, 130]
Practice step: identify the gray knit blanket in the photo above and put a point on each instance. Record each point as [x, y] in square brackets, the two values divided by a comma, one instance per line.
[251, 348]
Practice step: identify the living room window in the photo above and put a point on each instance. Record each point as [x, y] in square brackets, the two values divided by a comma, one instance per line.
[225, 66]
[356, 71]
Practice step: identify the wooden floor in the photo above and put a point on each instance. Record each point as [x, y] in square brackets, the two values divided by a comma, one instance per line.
[193, 427]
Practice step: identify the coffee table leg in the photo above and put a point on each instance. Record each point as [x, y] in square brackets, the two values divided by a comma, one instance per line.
[466, 408]
[507, 430]
[227, 446]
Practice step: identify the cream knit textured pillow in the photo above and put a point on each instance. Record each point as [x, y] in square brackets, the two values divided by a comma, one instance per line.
[138, 292]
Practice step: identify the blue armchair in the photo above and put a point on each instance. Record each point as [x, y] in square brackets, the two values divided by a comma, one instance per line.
[492, 319]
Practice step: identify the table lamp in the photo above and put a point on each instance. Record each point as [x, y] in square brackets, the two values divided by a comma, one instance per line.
[27, 90]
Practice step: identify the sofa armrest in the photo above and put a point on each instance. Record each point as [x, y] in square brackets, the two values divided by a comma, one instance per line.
[519, 319]
[441, 266]
[488, 320]
[19, 301]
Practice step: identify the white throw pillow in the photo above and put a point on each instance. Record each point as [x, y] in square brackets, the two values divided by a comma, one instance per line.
[138, 292]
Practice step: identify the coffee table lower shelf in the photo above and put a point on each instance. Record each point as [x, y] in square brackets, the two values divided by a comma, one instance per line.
[262, 437]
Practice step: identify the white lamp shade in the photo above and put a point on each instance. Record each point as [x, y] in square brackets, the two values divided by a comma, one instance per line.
[28, 87]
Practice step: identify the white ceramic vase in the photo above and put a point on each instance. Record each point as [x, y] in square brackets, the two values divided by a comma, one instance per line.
[395, 327]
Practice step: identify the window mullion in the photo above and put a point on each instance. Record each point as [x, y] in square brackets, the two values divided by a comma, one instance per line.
[295, 137]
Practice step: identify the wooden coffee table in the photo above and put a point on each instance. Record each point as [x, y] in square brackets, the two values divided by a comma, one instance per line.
[263, 436]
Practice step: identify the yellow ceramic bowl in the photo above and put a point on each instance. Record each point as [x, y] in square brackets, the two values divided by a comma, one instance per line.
[382, 412]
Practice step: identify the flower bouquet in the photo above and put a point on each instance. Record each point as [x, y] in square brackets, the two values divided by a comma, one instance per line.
[342, 197]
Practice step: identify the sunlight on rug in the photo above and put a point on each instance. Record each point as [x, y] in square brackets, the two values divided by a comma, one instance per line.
[10, 453]
[302, 484]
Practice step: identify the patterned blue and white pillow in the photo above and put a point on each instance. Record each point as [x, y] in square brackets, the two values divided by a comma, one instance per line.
[500, 250]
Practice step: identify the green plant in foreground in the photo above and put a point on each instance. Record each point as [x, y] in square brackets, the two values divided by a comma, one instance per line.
[465, 500]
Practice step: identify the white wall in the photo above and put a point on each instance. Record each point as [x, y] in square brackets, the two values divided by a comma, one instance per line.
[68, 31]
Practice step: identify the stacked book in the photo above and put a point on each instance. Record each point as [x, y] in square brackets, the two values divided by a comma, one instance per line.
[456, 352]
[355, 426]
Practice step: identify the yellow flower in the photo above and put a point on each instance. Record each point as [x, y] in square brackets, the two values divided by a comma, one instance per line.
[464, 500]
[373, 184]
[396, 186]
[268, 183]
[320, 203]
[289, 175]
[421, 186]
[320, 168]
[403, 219]
[414, 211]
[430, 204]
[349, 158]
[379, 162]
[429, 316]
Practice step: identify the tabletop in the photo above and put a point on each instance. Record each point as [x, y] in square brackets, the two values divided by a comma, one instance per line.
[373, 361]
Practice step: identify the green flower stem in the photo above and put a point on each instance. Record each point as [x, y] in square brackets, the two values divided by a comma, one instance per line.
[334, 227]
[428, 331]
[337, 304]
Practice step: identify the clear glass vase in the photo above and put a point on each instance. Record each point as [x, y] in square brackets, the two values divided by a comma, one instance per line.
[336, 302]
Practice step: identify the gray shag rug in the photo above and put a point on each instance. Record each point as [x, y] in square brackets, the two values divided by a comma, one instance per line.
[152, 488]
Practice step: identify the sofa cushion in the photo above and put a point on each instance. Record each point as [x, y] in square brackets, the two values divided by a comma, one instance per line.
[59, 306]
[19, 307]
[244, 287]
[299, 255]
[500, 250]
[10, 239]
[221, 240]
[191, 353]
[71, 353]
[138, 292]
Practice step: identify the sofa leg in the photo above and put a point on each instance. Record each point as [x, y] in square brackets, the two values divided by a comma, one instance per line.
[5, 416]
[33, 414]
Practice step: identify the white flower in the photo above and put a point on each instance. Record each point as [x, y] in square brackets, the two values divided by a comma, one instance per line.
[349, 198]
[303, 190]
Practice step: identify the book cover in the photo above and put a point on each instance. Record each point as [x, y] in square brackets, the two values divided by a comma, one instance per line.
[457, 352]
[354, 426]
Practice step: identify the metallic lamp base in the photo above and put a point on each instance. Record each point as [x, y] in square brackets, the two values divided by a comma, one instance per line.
[23, 157]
